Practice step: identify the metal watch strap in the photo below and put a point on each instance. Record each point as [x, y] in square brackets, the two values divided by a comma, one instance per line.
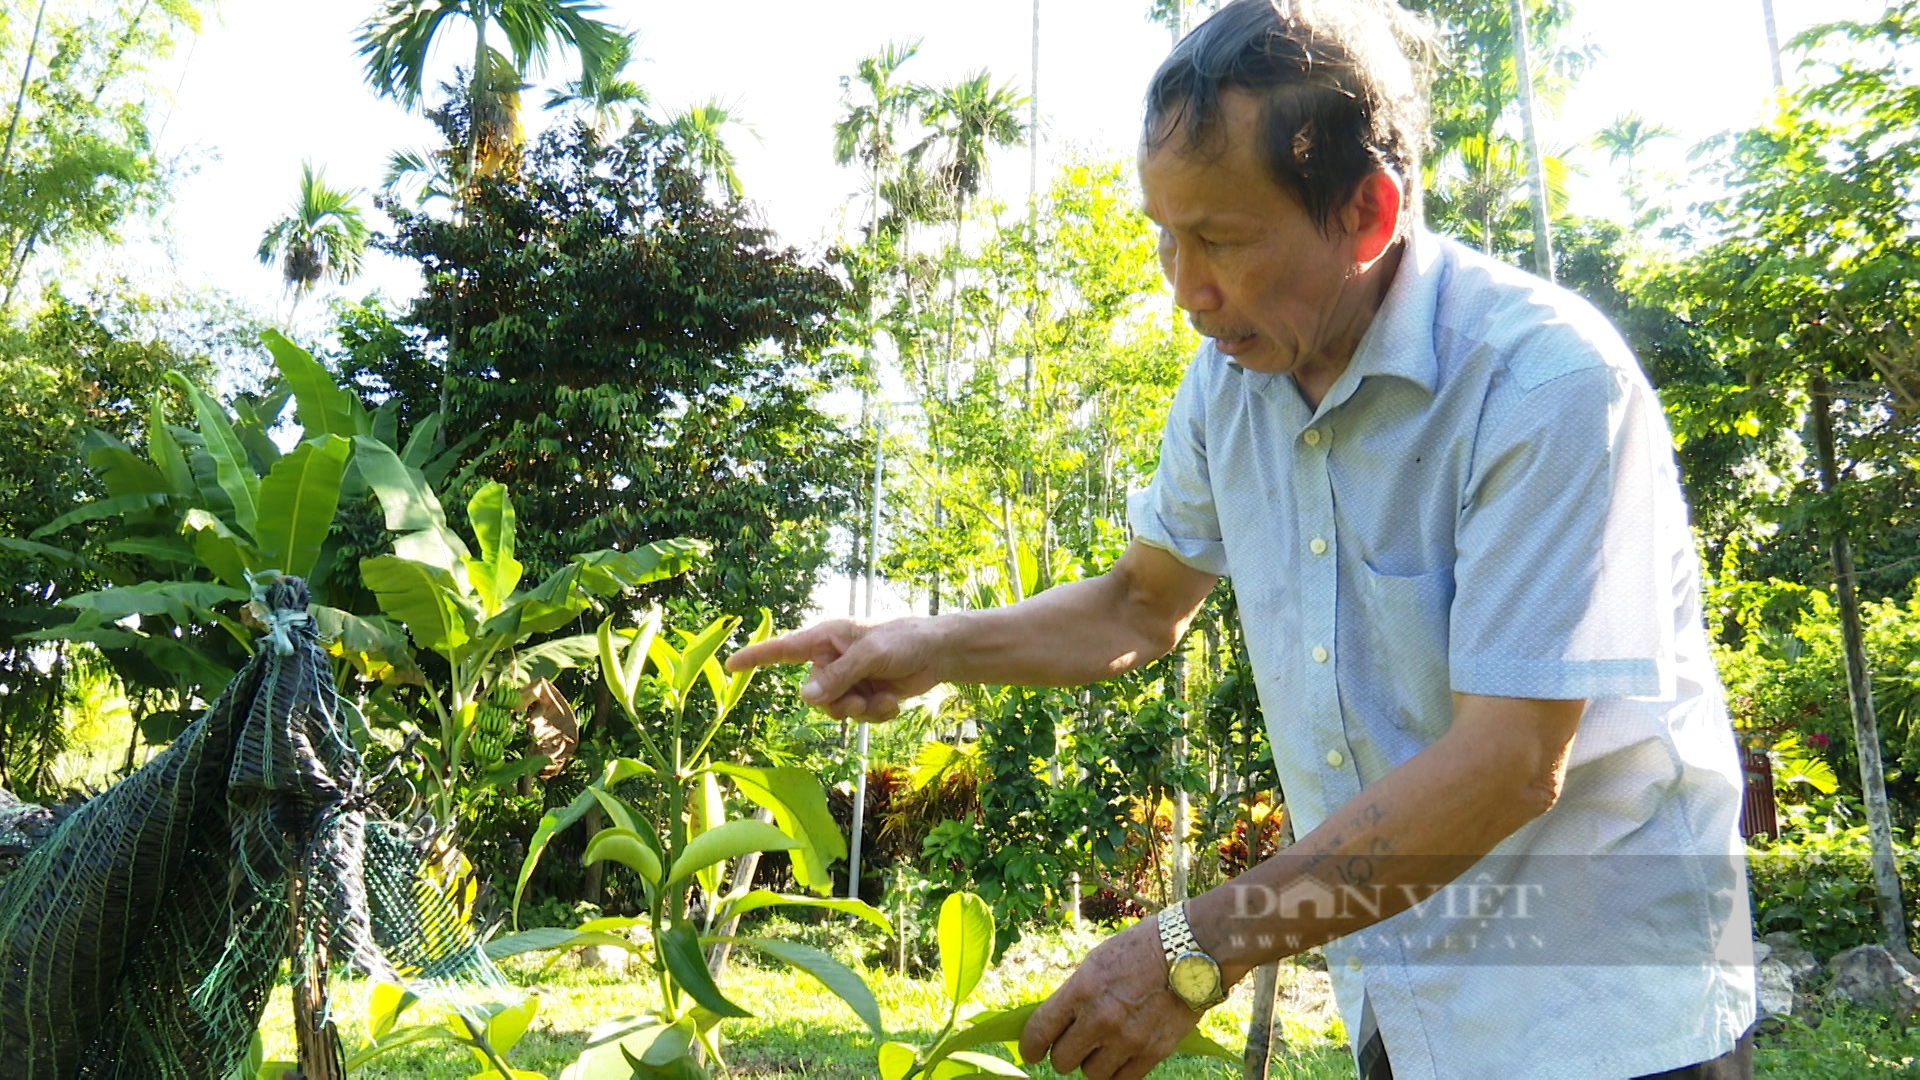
[1176, 937]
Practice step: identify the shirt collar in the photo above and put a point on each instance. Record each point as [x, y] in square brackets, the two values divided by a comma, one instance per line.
[1399, 343]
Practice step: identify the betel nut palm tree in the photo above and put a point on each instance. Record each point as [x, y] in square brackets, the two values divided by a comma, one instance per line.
[324, 236]
[966, 121]
[701, 129]
[398, 41]
[1626, 139]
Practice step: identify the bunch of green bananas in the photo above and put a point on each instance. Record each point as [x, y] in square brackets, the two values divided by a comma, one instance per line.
[492, 723]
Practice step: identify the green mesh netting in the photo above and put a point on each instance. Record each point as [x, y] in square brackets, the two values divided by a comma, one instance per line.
[140, 939]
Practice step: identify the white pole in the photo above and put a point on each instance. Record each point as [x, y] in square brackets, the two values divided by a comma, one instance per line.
[873, 566]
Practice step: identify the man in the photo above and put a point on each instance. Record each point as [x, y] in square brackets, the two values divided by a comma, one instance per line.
[1448, 501]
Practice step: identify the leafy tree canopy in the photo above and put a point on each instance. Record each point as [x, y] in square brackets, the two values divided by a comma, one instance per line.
[646, 357]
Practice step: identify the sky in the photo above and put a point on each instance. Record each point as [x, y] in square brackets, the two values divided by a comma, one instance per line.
[268, 84]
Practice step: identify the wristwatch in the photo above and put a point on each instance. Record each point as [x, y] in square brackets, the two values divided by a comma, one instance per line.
[1192, 975]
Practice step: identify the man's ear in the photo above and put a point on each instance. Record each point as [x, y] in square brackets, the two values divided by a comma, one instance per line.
[1373, 217]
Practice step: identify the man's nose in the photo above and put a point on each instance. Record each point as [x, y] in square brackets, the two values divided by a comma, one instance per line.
[1194, 286]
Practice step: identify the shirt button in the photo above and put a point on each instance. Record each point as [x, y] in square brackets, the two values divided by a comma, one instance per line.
[1318, 546]
[1353, 963]
[1319, 654]
[1312, 436]
[1334, 759]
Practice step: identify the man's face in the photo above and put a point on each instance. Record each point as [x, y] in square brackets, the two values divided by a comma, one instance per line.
[1253, 270]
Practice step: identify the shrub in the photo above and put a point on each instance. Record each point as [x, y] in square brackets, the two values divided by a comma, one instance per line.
[1817, 880]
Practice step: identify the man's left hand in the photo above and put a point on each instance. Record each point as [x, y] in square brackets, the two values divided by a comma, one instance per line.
[1115, 1018]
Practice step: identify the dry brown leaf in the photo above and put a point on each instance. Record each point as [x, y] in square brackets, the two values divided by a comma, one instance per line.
[555, 730]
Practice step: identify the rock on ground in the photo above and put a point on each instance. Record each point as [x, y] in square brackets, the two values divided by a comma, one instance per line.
[1871, 977]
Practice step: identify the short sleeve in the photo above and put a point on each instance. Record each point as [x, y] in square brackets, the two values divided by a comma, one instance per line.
[1176, 512]
[1560, 577]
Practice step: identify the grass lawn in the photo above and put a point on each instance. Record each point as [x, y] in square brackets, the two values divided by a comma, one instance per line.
[802, 1032]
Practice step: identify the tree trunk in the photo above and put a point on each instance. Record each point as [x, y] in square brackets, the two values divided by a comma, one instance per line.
[1866, 730]
[590, 882]
[318, 1041]
[1266, 978]
[743, 872]
[1773, 44]
[1180, 809]
[1536, 162]
[26, 74]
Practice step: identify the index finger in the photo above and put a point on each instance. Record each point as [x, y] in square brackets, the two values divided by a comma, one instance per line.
[799, 647]
[1044, 1028]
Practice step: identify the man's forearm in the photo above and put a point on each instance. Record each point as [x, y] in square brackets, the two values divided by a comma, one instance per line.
[1069, 635]
[1392, 846]
[1080, 632]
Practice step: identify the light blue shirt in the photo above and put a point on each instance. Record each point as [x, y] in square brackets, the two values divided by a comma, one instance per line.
[1486, 502]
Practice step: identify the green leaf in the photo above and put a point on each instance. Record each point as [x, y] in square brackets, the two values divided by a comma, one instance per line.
[385, 1003]
[406, 500]
[496, 573]
[625, 847]
[232, 469]
[606, 572]
[184, 602]
[510, 773]
[165, 451]
[987, 1064]
[624, 816]
[1201, 1046]
[966, 943]
[298, 500]
[322, 405]
[168, 549]
[550, 823]
[708, 810]
[762, 898]
[832, 974]
[620, 770]
[728, 688]
[799, 806]
[368, 641]
[896, 1060]
[98, 509]
[613, 662]
[672, 1042]
[1005, 1025]
[420, 444]
[607, 1046]
[123, 472]
[53, 554]
[220, 549]
[729, 841]
[250, 423]
[697, 650]
[550, 658]
[423, 597]
[549, 938]
[679, 946]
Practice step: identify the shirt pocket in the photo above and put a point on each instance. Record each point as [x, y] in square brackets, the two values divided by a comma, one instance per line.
[1403, 620]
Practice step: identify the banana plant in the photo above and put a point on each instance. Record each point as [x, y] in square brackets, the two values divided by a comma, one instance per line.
[966, 932]
[472, 611]
[687, 847]
[206, 507]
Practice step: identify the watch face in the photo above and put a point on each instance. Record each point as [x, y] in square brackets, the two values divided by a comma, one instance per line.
[1194, 977]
